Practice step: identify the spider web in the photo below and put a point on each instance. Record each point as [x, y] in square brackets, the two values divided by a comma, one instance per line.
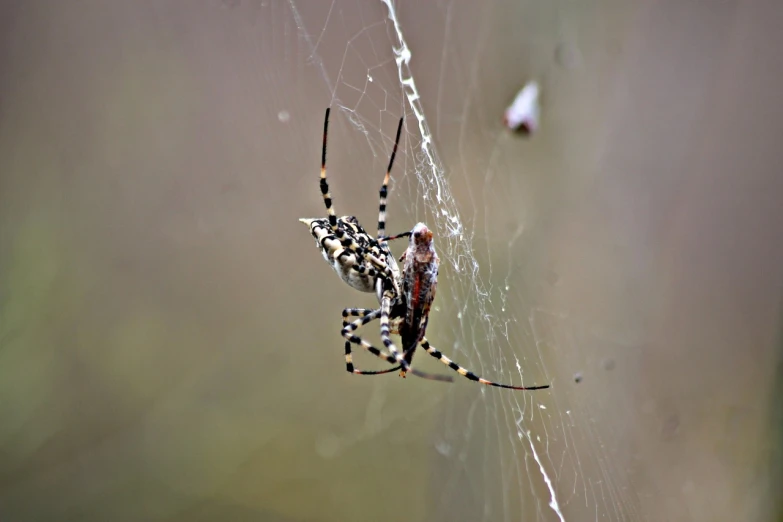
[503, 456]
[169, 346]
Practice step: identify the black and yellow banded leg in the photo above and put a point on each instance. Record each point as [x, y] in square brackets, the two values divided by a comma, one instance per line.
[365, 316]
[324, 185]
[392, 238]
[385, 186]
[467, 373]
[357, 312]
[396, 355]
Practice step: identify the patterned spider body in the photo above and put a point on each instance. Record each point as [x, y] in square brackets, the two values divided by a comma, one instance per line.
[358, 258]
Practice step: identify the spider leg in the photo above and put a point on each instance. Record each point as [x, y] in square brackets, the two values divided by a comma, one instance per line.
[385, 186]
[392, 238]
[324, 185]
[338, 232]
[347, 332]
[365, 315]
[395, 354]
[467, 373]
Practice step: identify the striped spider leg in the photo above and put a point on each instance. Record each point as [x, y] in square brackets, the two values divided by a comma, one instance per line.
[365, 315]
[419, 283]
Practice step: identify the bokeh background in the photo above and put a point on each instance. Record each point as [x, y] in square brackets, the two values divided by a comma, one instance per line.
[169, 335]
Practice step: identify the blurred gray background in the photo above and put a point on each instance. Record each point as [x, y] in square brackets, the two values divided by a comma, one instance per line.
[170, 346]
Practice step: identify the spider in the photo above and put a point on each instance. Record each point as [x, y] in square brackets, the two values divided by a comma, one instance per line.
[361, 261]
[366, 264]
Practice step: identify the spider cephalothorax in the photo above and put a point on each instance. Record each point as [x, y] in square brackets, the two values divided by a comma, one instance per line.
[365, 263]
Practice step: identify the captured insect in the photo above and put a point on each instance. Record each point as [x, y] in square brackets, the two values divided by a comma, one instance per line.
[366, 264]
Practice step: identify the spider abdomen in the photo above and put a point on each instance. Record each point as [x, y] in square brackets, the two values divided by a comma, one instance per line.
[338, 248]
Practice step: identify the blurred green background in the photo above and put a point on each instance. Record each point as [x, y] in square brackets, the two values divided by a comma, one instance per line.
[170, 346]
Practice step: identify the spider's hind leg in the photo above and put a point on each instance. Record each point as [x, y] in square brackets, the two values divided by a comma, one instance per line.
[365, 316]
[467, 373]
